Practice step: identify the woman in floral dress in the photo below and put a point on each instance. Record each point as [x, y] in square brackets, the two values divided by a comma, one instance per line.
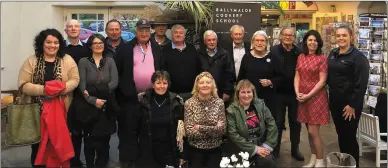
[310, 79]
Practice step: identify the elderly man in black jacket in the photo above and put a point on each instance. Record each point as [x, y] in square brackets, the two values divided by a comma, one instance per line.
[136, 61]
[288, 54]
[216, 60]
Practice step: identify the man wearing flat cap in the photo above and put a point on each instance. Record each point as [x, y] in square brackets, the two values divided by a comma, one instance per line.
[136, 61]
[159, 37]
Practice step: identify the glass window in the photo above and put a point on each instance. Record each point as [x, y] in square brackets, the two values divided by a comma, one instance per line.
[90, 23]
[128, 23]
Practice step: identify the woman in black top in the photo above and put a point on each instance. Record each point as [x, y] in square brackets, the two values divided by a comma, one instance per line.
[262, 69]
[348, 73]
[154, 131]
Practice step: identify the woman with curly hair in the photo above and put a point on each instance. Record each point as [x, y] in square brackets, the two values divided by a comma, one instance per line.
[49, 63]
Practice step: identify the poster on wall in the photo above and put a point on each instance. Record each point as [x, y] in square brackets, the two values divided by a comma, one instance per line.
[227, 14]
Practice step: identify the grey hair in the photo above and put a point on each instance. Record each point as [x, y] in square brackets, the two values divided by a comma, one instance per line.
[236, 26]
[71, 21]
[260, 33]
[177, 26]
[209, 32]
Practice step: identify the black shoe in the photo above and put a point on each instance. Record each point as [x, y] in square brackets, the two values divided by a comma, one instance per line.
[295, 153]
[77, 164]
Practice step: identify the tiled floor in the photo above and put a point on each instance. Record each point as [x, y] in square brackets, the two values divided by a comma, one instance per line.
[20, 156]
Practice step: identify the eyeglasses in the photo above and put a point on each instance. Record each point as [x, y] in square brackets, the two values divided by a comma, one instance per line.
[288, 35]
[98, 43]
[260, 41]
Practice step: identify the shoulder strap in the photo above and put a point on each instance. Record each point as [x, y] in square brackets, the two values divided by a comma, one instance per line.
[19, 95]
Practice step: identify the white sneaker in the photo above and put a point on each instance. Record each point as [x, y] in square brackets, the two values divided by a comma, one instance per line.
[320, 163]
[313, 159]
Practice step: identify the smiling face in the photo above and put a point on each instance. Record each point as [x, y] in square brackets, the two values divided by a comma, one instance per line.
[113, 31]
[245, 96]
[205, 86]
[143, 34]
[160, 86]
[343, 37]
[97, 46]
[211, 41]
[178, 35]
[237, 35]
[73, 29]
[51, 46]
[312, 44]
[259, 43]
[288, 36]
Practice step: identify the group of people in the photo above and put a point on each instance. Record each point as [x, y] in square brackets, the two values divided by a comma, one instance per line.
[175, 105]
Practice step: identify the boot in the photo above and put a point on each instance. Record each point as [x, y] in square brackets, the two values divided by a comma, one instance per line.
[313, 159]
[320, 163]
[296, 153]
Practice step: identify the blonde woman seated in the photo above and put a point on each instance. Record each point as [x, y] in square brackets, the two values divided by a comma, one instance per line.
[251, 126]
[204, 120]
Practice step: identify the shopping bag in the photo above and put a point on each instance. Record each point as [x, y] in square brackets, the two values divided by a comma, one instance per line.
[23, 127]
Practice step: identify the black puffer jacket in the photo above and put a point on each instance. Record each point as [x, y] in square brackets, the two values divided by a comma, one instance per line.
[142, 149]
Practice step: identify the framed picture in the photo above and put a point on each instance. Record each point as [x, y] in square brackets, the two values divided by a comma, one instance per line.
[374, 79]
[350, 17]
[375, 68]
[364, 33]
[364, 21]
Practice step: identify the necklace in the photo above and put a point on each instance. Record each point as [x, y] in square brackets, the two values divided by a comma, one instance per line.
[159, 105]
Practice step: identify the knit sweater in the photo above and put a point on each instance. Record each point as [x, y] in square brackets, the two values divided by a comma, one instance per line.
[69, 71]
[206, 114]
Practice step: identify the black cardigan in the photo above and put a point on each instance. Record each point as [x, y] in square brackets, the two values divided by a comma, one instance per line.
[126, 91]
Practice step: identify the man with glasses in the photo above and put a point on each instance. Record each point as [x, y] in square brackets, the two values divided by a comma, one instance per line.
[136, 61]
[77, 50]
[288, 53]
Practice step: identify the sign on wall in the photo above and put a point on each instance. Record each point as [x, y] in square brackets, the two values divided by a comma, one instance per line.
[227, 14]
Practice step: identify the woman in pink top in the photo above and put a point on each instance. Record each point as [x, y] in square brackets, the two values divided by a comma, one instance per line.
[310, 79]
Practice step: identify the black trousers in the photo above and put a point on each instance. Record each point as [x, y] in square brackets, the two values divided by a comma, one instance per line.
[289, 101]
[76, 139]
[346, 130]
[204, 158]
[34, 152]
[76, 130]
[97, 151]
[127, 112]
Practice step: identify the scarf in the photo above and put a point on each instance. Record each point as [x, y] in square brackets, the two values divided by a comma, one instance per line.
[38, 77]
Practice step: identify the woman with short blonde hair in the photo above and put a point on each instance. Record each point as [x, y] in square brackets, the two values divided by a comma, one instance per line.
[204, 120]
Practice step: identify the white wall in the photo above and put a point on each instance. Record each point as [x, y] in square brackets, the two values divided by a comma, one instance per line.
[21, 21]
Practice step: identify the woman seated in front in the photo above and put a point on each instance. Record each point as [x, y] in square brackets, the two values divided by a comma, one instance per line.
[251, 126]
[156, 124]
[205, 123]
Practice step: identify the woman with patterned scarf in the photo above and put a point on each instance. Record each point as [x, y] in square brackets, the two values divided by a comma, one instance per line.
[47, 64]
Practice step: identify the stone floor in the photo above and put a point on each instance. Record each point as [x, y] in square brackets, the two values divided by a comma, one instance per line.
[20, 156]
